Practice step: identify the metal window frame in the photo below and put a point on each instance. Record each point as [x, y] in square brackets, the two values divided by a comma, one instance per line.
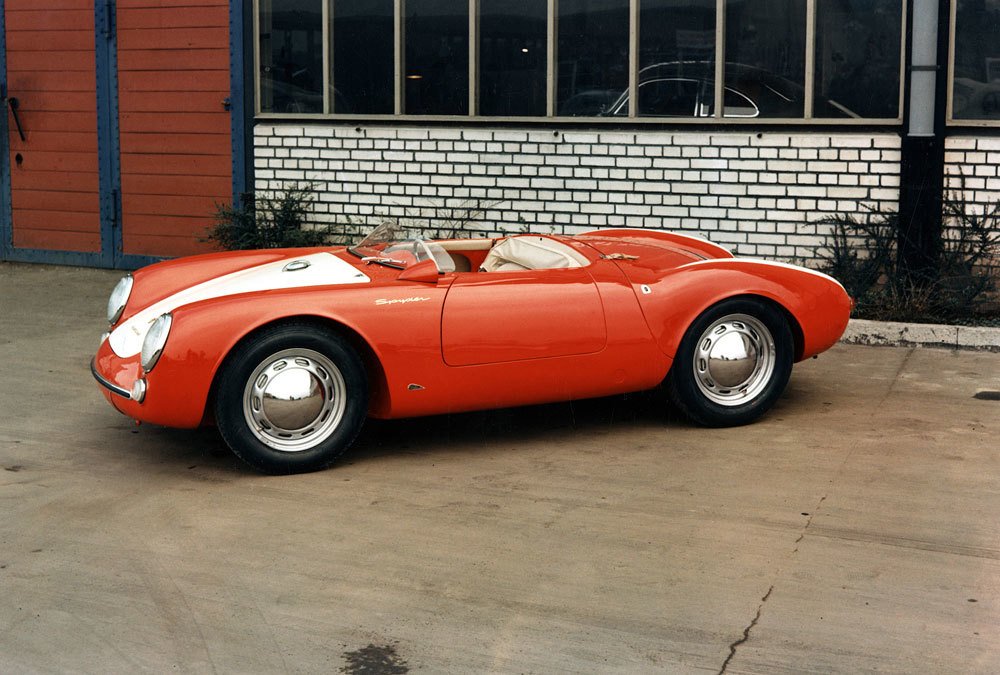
[950, 119]
[473, 58]
[633, 58]
[551, 59]
[399, 62]
[327, 40]
[552, 31]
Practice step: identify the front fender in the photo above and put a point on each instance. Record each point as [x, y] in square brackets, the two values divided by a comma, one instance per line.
[816, 302]
[205, 332]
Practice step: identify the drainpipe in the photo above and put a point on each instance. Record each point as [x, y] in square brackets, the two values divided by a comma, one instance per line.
[921, 188]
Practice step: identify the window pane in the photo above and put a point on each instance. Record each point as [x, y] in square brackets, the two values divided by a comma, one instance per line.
[291, 56]
[676, 56]
[512, 58]
[437, 57]
[857, 58]
[362, 56]
[765, 56]
[976, 94]
[593, 55]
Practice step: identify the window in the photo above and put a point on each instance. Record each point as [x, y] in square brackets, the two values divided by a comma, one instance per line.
[512, 57]
[765, 60]
[857, 58]
[290, 34]
[437, 57]
[765, 54]
[976, 77]
[593, 55]
[363, 57]
[676, 57]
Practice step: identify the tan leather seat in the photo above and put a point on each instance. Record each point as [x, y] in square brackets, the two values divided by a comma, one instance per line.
[530, 252]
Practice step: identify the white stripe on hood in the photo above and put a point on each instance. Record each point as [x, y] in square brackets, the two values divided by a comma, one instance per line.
[325, 269]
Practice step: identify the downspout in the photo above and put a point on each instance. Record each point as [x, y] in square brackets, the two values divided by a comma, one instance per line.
[921, 188]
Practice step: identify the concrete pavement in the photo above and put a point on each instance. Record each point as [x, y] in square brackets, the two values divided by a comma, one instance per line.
[854, 529]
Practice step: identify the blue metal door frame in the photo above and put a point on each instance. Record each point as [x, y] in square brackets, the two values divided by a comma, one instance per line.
[241, 87]
[109, 155]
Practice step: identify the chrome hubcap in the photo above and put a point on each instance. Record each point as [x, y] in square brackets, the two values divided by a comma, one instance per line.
[294, 400]
[734, 360]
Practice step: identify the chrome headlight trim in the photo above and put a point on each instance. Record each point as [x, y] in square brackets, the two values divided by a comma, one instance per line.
[119, 297]
[155, 341]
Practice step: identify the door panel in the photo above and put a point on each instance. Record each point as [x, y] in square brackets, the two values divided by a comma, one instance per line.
[176, 157]
[511, 316]
[54, 169]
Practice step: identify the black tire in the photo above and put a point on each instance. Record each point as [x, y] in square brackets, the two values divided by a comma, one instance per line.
[720, 392]
[291, 398]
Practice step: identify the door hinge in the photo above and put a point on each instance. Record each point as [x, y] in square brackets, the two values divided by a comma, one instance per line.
[114, 209]
[109, 19]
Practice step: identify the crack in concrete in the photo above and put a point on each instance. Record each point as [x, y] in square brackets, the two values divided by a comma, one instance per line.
[746, 631]
[760, 608]
[895, 379]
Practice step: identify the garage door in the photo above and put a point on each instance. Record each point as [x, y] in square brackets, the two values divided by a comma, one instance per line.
[117, 128]
[52, 126]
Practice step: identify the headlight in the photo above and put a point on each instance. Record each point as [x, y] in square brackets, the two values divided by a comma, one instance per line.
[119, 296]
[156, 340]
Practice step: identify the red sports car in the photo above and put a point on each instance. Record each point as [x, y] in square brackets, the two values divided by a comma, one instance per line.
[288, 351]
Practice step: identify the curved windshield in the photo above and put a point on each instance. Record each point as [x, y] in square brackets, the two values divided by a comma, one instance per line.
[390, 244]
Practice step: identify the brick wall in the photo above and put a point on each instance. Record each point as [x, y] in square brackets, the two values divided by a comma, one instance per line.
[971, 165]
[757, 193]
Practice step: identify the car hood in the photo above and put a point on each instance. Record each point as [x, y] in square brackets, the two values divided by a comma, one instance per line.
[164, 287]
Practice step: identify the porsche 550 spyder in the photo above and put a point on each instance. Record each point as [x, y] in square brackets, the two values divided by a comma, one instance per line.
[288, 351]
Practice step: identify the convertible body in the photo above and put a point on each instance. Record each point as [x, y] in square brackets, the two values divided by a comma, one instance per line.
[448, 325]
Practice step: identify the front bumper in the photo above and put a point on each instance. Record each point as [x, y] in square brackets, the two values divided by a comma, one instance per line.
[175, 395]
[107, 384]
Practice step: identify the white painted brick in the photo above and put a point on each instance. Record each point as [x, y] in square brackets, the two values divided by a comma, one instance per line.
[850, 141]
[709, 164]
[412, 134]
[727, 189]
[811, 141]
[689, 139]
[671, 163]
[786, 216]
[774, 140]
[886, 141]
[670, 211]
[806, 191]
[653, 138]
[729, 139]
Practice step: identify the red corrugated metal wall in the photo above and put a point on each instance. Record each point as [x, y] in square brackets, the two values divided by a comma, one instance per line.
[54, 171]
[176, 158]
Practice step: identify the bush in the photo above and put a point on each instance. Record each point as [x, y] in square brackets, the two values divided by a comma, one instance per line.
[862, 253]
[268, 220]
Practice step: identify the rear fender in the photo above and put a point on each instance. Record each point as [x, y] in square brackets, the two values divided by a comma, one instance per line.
[817, 304]
[700, 244]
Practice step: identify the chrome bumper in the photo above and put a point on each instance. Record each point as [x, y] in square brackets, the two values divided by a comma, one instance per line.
[110, 386]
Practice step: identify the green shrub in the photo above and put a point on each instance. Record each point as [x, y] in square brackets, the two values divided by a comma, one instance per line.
[863, 254]
[269, 220]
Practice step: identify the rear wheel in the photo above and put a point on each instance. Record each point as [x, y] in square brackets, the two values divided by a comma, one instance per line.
[733, 363]
[291, 399]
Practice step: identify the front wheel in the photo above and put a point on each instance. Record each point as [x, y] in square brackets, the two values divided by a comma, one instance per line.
[291, 399]
[732, 364]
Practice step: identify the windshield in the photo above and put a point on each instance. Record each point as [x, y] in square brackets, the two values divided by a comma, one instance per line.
[390, 244]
